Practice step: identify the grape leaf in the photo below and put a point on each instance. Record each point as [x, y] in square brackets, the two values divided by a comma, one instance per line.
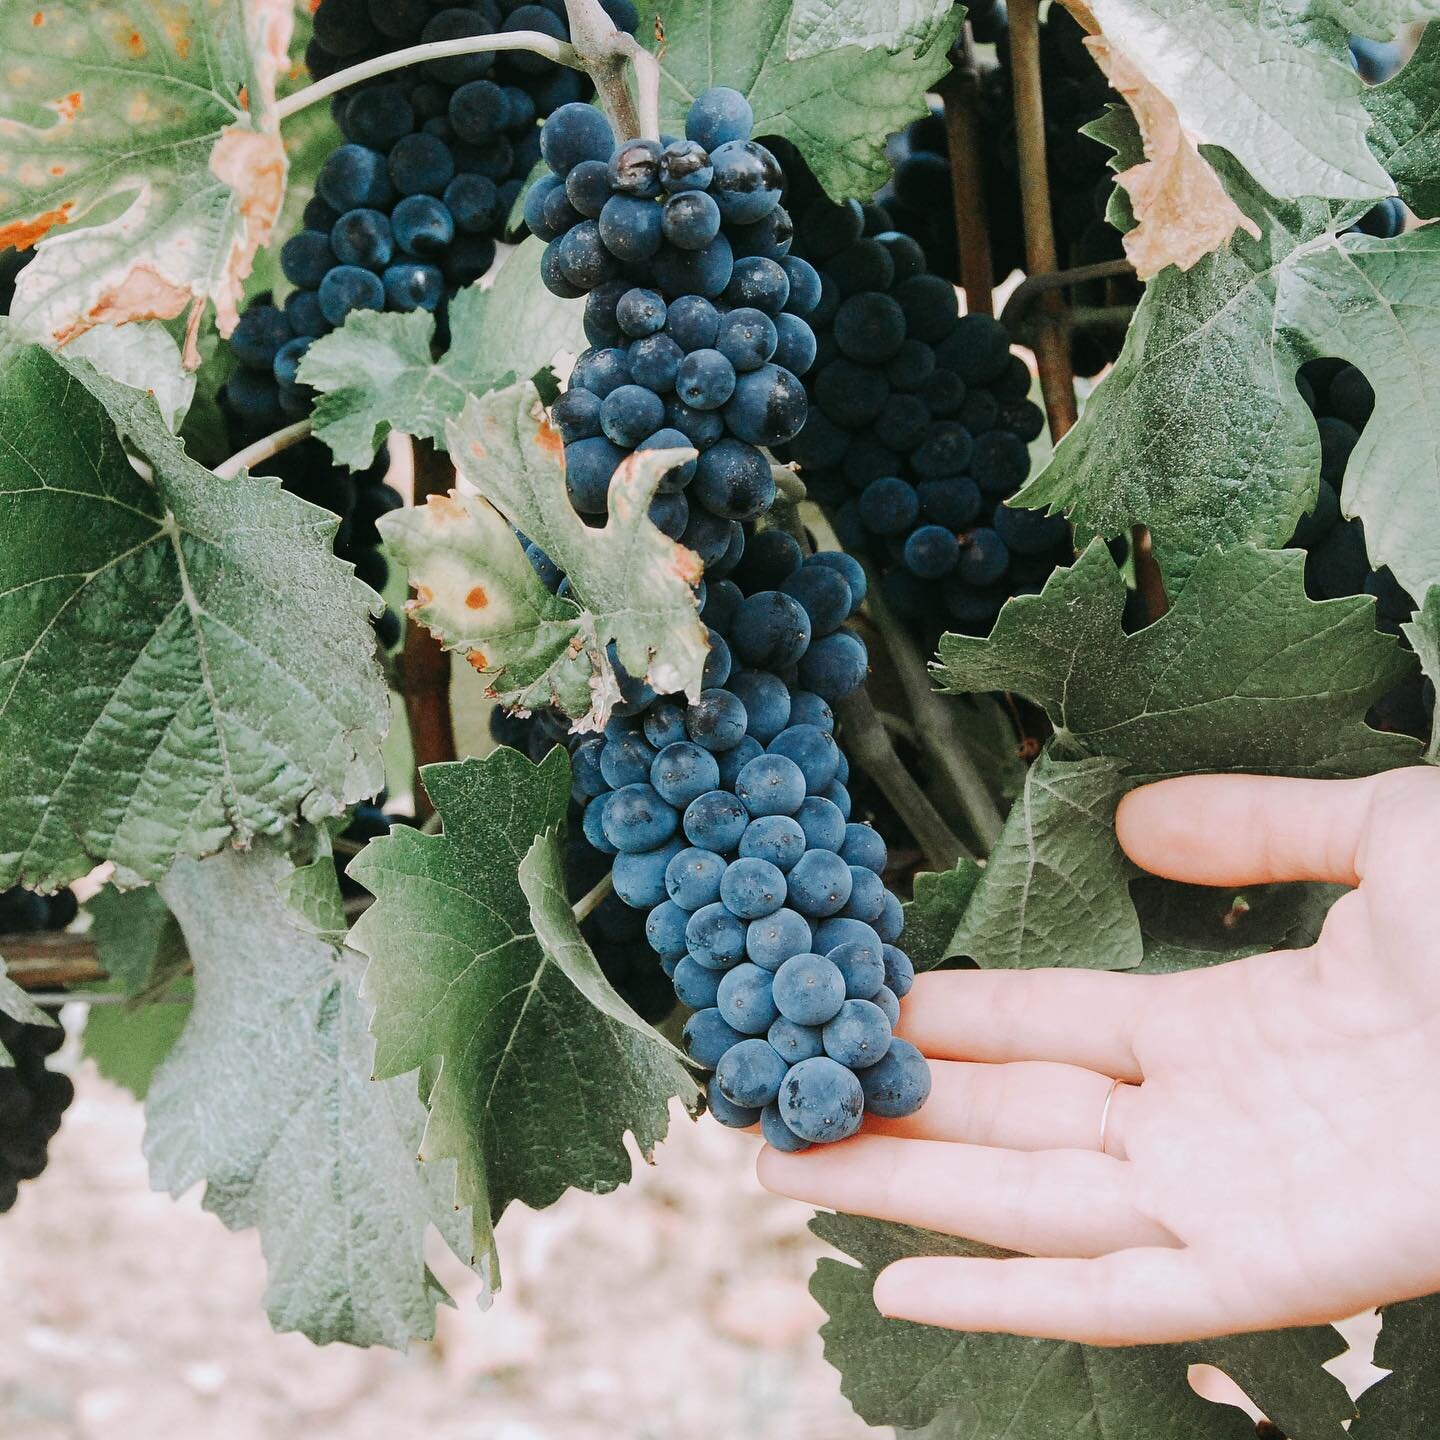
[1054, 889]
[1406, 114]
[137, 940]
[376, 372]
[156, 125]
[183, 663]
[1199, 431]
[478, 593]
[898, 1373]
[819, 26]
[128, 1043]
[1270, 86]
[1404, 1405]
[836, 105]
[268, 1098]
[1187, 926]
[1423, 633]
[1242, 673]
[476, 966]
[933, 915]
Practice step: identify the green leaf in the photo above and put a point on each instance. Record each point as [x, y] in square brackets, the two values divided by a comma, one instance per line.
[1187, 926]
[1406, 115]
[1423, 633]
[479, 594]
[933, 915]
[476, 969]
[128, 1043]
[1272, 88]
[1242, 673]
[837, 106]
[137, 940]
[148, 133]
[1054, 890]
[819, 26]
[1199, 431]
[267, 1097]
[1404, 1405]
[376, 372]
[898, 1373]
[183, 662]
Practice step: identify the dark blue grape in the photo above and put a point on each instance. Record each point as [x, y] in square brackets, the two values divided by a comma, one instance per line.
[692, 878]
[735, 1117]
[745, 1000]
[931, 552]
[778, 1134]
[694, 272]
[347, 288]
[717, 941]
[793, 1042]
[750, 1073]
[715, 821]
[984, 557]
[705, 380]
[411, 285]
[776, 838]
[716, 721]
[573, 133]
[717, 116]
[474, 203]
[457, 24]
[379, 116]
[899, 971]
[813, 750]
[734, 480]
[953, 502]
[534, 17]
[422, 225]
[1000, 463]
[898, 1084]
[794, 344]
[636, 819]
[859, 1035]
[576, 414]
[478, 111]
[863, 845]
[589, 465]
[751, 887]
[692, 322]
[733, 761]
[600, 371]
[306, 258]
[665, 928]
[362, 237]
[835, 665]
[629, 413]
[696, 986]
[639, 876]
[809, 990]
[655, 363]
[690, 219]
[821, 1100]
[354, 177]
[889, 506]
[771, 785]
[625, 760]
[634, 169]
[862, 969]
[537, 200]
[850, 568]
[747, 180]
[421, 164]
[583, 257]
[764, 699]
[685, 165]
[259, 336]
[684, 771]
[823, 594]
[640, 312]
[707, 1037]
[629, 228]
[746, 338]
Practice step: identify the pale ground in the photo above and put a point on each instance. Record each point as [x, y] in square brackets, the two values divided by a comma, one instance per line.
[675, 1309]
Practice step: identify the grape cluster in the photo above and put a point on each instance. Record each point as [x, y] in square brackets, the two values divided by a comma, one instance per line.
[1336, 561]
[727, 820]
[918, 427]
[694, 310]
[253, 404]
[407, 211]
[32, 1098]
[1075, 92]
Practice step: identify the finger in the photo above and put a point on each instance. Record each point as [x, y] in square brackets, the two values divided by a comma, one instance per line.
[1138, 1296]
[1030, 1105]
[1248, 829]
[1076, 1017]
[1062, 1202]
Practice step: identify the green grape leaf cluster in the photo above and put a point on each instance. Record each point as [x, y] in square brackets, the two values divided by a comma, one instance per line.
[898, 1373]
[806, 71]
[141, 149]
[477, 969]
[634, 588]
[378, 372]
[183, 662]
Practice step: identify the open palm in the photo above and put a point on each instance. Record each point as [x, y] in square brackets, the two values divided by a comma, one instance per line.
[1270, 1157]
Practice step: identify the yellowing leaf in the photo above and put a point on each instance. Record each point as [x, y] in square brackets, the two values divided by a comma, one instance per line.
[1181, 208]
[157, 121]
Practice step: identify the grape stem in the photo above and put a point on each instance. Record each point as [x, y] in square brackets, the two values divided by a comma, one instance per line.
[265, 448]
[547, 45]
[936, 732]
[935, 727]
[587, 902]
[608, 54]
[871, 749]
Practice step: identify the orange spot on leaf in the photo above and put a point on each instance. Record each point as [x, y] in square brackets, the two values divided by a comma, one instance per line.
[477, 599]
[549, 441]
[22, 234]
[477, 659]
[67, 107]
[135, 44]
[424, 595]
[244, 97]
[38, 19]
[444, 508]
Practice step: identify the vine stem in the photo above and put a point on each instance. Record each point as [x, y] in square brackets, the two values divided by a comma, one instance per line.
[933, 722]
[547, 45]
[934, 725]
[871, 747]
[587, 902]
[608, 54]
[959, 91]
[265, 448]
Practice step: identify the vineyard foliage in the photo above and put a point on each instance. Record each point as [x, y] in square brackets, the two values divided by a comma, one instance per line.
[350, 1037]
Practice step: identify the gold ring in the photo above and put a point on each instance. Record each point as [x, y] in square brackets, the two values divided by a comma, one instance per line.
[1105, 1112]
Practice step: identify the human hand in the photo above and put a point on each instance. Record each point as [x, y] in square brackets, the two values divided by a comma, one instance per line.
[1271, 1157]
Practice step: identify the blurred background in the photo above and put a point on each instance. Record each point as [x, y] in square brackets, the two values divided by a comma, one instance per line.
[675, 1307]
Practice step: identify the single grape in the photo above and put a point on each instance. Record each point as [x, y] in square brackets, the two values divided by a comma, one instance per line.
[821, 1100]
[898, 1084]
[715, 821]
[774, 938]
[745, 999]
[750, 1073]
